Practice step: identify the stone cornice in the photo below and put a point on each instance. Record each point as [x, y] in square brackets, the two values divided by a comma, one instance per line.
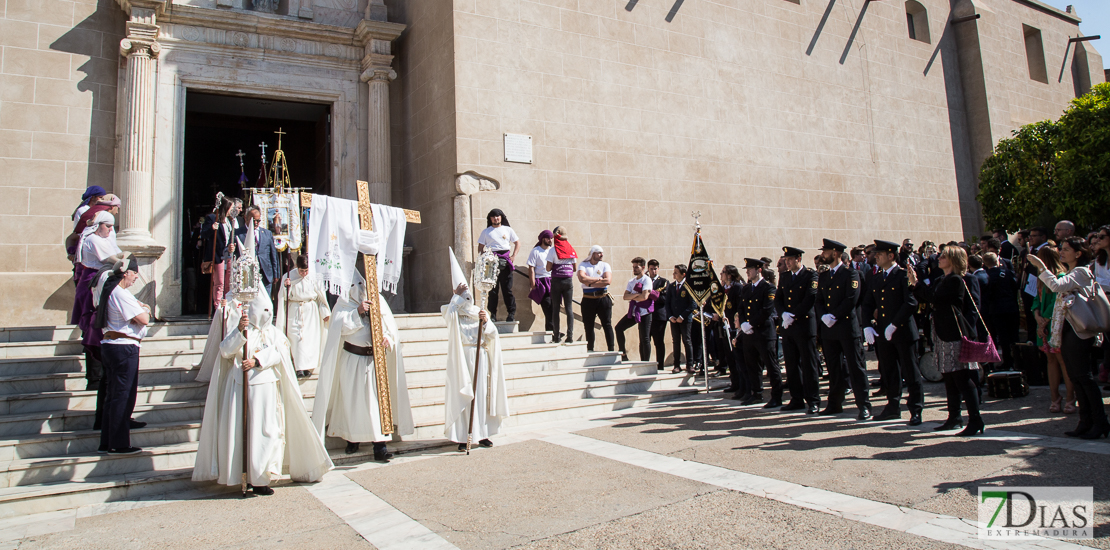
[159, 6]
[1040, 6]
[235, 20]
[377, 30]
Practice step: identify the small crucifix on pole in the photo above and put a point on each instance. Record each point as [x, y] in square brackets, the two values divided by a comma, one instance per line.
[263, 146]
[241, 155]
[696, 214]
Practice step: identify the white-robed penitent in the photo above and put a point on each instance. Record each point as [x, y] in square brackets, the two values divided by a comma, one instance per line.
[491, 402]
[307, 310]
[346, 404]
[281, 434]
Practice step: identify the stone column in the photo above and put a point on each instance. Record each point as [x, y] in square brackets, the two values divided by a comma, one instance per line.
[377, 73]
[468, 184]
[136, 142]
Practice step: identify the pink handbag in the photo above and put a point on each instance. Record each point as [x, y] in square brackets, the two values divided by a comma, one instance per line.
[970, 350]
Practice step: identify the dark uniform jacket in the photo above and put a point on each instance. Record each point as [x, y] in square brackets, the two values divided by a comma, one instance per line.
[758, 308]
[1000, 297]
[796, 295]
[660, 285]
[837, 294]
[679, 303]
[890, 300]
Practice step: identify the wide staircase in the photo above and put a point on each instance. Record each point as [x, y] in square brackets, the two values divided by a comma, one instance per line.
[48, 458]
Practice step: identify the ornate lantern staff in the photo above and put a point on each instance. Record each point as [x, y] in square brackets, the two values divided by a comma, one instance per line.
[483, 279]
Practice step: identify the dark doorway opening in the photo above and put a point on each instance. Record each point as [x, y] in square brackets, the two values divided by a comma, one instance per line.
[217, 128]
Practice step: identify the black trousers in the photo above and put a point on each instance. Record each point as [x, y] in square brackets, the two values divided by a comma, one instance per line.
[94, 371]
[545, 306]
[562, 295]
[759, 354]
[1077, 354]
[738, 373]
[1004, 330]
[799, 356]
[121, 369]
[505, 285]
[644, 329]
[658, 337]
[841, 355]
[962, 383]
[594, 309]
[1030, 319]
[680, 332]
[898, 362]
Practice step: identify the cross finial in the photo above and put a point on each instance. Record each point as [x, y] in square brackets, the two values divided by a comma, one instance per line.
[696, 214]
[279, 134]
[263, 146]
[241, 155]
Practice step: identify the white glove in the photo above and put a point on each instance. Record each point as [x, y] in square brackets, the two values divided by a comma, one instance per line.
[787, 320]
[828, 319]
[747, 328]
[890, 331]
[870, 335]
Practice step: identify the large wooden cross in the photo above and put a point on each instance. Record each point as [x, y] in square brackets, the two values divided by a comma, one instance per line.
[370, 263]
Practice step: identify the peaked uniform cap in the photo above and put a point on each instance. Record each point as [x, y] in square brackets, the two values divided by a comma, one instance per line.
[791, 251]
[830, 244]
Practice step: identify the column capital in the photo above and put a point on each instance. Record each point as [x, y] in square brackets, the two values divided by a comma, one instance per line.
[143, 8]
[377, 67]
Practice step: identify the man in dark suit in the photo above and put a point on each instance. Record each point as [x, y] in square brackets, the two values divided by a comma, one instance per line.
[263, 246]
[838, 291]
[659, 314]
[992, 245]
[1000, 307]
[888, 306]
[680, 308]
[757, 325]
[796, 295]
[1005, 249]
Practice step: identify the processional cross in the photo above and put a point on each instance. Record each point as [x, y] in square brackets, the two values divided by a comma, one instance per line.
[370, 263]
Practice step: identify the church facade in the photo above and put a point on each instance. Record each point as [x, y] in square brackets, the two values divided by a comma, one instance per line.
[778, 121]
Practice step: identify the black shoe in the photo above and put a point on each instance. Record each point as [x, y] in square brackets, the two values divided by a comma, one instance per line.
[950, 424]
[831, 410]
[136, 424]
[729, 389]
[794, 406]
[127, 451]
[773, 404]
[813, 408]
[1081, 429]
[303, 374]
[485, 443]
[382, 456]
[510, 318]
[739, 396]
[752, 399]
[864, 415]
[352, 447]
[262, 491]
[876, 384]
[676, 370]
[889, 414]
[1100, 430]
[624, 357]
[102, 450]
[878, 393]
[975, 426]
[462, 447]
[915, 419]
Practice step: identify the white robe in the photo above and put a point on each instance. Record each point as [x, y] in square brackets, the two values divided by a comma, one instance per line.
[307, 330]
[222, 318]
[350, 409]
[492, 398]
[281, 435]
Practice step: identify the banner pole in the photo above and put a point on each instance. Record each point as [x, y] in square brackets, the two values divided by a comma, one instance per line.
[704, 361]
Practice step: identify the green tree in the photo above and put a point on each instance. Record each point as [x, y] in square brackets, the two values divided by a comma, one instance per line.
[1015, 181]
[1083, 164]
[1052, 170]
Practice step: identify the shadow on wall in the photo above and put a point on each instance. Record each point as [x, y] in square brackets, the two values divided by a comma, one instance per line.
[61, 299]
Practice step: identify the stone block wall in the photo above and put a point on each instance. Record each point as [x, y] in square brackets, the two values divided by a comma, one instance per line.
[58, 81]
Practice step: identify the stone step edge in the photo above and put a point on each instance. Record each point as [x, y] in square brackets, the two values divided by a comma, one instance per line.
[90, 393]
[585, 369]
[50, 415]
[81, 434]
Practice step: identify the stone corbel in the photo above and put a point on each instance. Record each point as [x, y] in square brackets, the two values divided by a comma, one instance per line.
[467, 184]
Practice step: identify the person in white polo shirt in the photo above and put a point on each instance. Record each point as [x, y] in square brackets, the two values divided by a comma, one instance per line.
[540, 278]
[123, 320]
[502, 240]
[595, 276]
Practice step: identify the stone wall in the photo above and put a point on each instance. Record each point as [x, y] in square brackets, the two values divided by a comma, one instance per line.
[424, 143]
[58, 79]
[781, 122]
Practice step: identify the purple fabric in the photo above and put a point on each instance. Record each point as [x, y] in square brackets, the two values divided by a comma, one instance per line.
[545, 234]
[504, 255]
[78, 271]
[563, 271]
[543, 288]
[649, 304]
[83, 312]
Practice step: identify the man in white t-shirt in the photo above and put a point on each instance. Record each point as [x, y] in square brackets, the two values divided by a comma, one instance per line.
[540, 278]
[640, 294]
[595, 276]
[502, 240]
[123, 320]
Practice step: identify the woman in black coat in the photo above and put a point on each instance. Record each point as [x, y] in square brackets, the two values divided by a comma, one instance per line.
[950, 300]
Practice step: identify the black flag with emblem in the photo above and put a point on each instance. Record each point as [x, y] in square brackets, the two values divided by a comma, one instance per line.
[701, 278]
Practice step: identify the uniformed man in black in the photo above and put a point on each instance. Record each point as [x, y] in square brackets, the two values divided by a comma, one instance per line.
[680, 308]
[795, 298]
[837, 295]
[756, 319]
[888, 307]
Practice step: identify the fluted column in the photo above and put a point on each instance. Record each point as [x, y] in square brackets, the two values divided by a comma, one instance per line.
[136, 135]
[377, 73]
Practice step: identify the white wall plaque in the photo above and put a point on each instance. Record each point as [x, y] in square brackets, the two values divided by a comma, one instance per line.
[518, 148]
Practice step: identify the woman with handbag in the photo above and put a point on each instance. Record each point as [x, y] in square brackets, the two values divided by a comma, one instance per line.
[949, 297]
[1101, 245]
[1085, 316]
[1044, 307]
[215, 249]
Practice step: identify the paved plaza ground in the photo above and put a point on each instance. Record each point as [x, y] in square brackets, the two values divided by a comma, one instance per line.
[697, 473]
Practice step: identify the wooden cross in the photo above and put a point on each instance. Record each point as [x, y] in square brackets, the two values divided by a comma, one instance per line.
[279, 133]
[370, 263]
